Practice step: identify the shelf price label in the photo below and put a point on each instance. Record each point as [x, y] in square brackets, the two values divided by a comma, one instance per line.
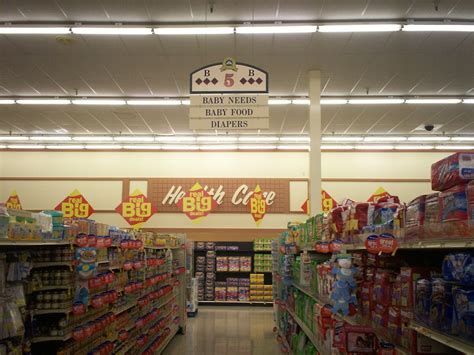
[258, 205]
[13, 201]
[136, 209]
[75, 206]
[197, 203]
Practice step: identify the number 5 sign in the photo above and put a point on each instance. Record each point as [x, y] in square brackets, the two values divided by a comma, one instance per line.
[229, 77]
[258, 205]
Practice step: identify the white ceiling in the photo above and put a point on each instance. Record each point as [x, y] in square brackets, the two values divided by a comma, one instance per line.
[398, 63]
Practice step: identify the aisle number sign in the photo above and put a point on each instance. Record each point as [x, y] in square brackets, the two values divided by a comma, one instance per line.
[136, 209]
[75, 206]
[258, 205]
[379, 194]
[242, 100]
[13, 201]
[197, 203]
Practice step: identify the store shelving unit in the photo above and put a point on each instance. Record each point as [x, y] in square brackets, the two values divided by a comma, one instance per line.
[455, 243]
[309, 333]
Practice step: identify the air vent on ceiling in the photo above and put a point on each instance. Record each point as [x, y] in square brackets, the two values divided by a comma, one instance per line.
[421, 128]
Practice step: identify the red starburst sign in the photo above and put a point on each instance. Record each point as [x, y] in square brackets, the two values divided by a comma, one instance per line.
[258, 205]
[197, 203]
[13, 201]
[136, 209]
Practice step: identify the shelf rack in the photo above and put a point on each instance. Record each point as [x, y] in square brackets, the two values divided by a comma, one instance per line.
[423, 244]
[311, 336]
[14, 242]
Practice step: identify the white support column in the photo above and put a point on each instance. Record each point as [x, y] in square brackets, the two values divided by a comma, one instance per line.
[315, 145]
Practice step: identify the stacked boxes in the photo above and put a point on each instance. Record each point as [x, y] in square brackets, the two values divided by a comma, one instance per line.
[262, 244]
[263, 262]
[210, 274]
[259, 292]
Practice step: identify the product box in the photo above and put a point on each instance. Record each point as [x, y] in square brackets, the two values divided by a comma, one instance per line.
[454, 170]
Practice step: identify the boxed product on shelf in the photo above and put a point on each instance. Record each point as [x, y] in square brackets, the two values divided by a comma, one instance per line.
[220, 293]
[244, 293]
[232, 293]
[453, 170]
[234, 263]
[245, 263]
[222, 263]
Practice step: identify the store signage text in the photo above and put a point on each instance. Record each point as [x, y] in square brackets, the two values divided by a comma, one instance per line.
[13, 202]
[241, 195]
[75, 206]
[197, 203]
[258, 205]
[136, 209]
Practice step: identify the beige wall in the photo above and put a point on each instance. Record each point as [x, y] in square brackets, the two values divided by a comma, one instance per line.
[346, 168]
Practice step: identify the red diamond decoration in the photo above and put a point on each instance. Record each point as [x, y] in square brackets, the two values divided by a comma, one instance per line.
[243, 81]
[214, 81]
[206, 81]
[199, 81]
[251, 81]
[259, 81]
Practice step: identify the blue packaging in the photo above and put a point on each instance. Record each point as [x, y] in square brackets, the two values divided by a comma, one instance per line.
[464, 312]
[459, 268]
[422, 306]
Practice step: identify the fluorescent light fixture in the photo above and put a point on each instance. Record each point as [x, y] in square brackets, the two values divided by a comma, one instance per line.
[433, 101]
[99, 102]
[194, 30]
[455, 147]
[413, 147]
[92, 138]
[300, 102]
[218, 147]
[258, 139]
[133, 139]
[144, 147]
[458, 139]
[279, 101]
[65, 147]
[293, 147]
[13, 138]
[429, 139]
[374, 147]
[43, 102]
[370, 27]
[376, 101]
[217, 139]
[7, 102]
[385, 139]
[275, 29]
[159, 102]
[175, 139]
[257, 147]
[295, 139]
[438, 28]
[179, 147]
[333, 101]
[50, 138]
[103, 146]
[468, 101]
[25, 146]
[337, 147]
[115, 30]
[341, 139]
[33, 30]
[186, 102]
[3, 146]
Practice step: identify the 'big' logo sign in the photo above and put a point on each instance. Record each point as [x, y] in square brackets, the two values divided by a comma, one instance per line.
[258, 205]
[197, 203]
[75, 206]
[136, 209]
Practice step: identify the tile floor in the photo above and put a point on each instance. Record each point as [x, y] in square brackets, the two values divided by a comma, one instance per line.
[227, 330]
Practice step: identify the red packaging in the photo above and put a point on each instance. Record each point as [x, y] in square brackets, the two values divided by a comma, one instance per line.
[339, 217]
[361, 215]
[383, 288]
[409, 275]
[454, 211]
[380, 316]
[454, 170]
[394, 322]
[415, 217]
[432, 227]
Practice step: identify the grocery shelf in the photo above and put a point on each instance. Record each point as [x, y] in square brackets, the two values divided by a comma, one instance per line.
[167, 340]
[451, 341]
[285, 342]
[125, 307]
[38, 265]
[43, 339]
[52, 288]
[423, 244]
[13, 242]
[311, 336]
[51, 311]
[237, 302]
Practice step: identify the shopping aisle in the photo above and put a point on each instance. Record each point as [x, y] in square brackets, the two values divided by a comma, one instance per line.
[227, 330]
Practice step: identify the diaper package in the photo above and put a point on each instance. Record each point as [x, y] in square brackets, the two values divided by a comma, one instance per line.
[454, 170]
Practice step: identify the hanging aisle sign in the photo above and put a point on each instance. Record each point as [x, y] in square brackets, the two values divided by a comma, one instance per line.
[243, 99]
[75, 206]
[197, 203]
[136, 209]
[13, 202]
[258, 205]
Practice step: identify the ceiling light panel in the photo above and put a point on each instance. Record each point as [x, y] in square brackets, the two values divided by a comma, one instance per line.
[463, 139]
[13, 138]
[179, 147]
[163, 102]
[164, 31]
[142, 147]
[279, 101]
[7, 102]
[413, 147]
[112, 102]
[429, 139]
[300, 102]
[258, 139]
[40, 30]
[433, 101]
[455, 147]
[175, 139]
[333, 101]
[92, 138]
[25, 146]
[374, 147]
[43, 102]
[341, 139]
[337, 147]
[274, 29]
[117, 30]
[376, 101]
[293, 147]
[133, 139]
[216, 139]
[385, 139]
[65, 147]
[438, 28]
[103, 146]
[51, 138]
[257, 147]
[295, 139]
[379, 27]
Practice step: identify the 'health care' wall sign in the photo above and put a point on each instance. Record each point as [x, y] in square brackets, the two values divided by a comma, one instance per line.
[229, 96]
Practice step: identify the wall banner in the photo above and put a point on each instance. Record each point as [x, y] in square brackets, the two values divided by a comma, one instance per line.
[13, 201]
[75, 206]
[136, 209]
